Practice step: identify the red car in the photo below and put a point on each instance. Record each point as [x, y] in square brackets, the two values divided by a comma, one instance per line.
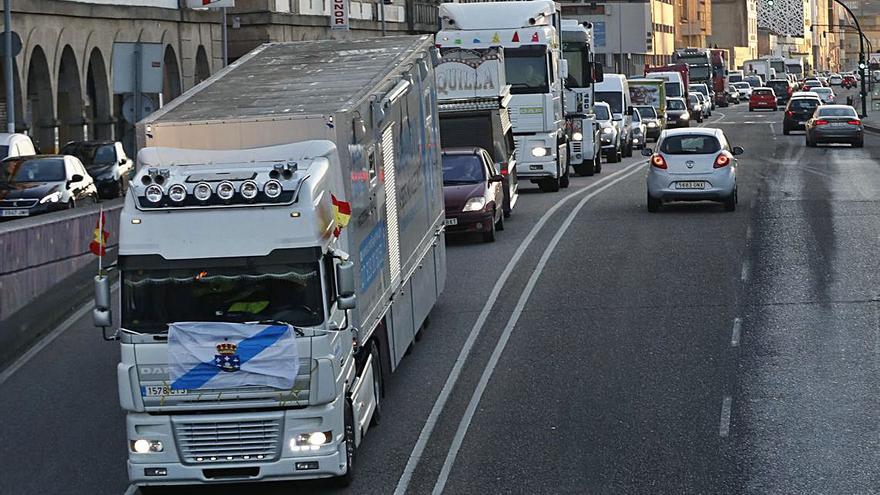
[762, 98]
[849, 82]
[472, 192]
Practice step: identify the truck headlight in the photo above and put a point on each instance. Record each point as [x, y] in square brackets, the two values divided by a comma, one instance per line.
[304, 442]
[144, 446]
[577, 136]
[539, 151]
[51, 198]
[154, 193]
[475, 204]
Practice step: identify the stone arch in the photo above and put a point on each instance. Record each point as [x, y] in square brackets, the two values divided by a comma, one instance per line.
[98, 109]
[39, 111]
[70, 99]
[203, 69]
[170, 75]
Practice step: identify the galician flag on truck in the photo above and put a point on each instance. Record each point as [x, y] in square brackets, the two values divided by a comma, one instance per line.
[217, 355]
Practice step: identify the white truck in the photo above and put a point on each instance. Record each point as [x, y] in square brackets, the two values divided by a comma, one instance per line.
[297, 195]
[584, 147]
[529, 33]
[473, 99]
[759, 67]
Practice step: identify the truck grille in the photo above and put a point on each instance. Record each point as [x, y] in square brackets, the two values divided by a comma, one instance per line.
[232, 441]
[575, 146]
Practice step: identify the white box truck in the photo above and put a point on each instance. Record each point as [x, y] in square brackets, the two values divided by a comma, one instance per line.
[297, 195]
[529, 33]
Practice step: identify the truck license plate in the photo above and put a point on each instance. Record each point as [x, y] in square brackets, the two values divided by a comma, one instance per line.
[161, 390]
[14, 213]
[450, 221]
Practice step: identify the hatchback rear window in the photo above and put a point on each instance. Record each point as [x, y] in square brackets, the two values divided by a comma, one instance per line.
[804, 104]
[763, 92]
[690, 144]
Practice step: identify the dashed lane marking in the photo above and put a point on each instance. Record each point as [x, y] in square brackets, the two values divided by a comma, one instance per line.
[724, 427]
[734, 335]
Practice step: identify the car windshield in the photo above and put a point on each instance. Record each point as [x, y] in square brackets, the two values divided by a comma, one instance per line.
[742, 85]
[614, 99]
[835, 112]
[647, 112]
[636, 117]
[526, 69]
[91, 154]
[675, 105]
[822, 91]
[693, 99]
[289, 292]
[700, 88]
[804, 104]
[690, 144]
[601, 112]
[463, 169]
[672, 89]
[753, 81]
[734, 78]
[35, 170]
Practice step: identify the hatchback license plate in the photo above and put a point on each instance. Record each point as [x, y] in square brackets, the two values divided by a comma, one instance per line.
[696, 184]
[15, 213]
[450, 221]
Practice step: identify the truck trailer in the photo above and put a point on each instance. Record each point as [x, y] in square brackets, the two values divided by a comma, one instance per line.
[281, 245]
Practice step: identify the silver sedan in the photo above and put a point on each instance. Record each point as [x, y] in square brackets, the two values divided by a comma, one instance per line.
[694, 164]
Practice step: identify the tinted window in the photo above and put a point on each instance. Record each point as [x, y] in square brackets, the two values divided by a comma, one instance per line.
[804, 104]
[526, 69]
[601, 112]
[4, 151]
[673, 89]
[763, 92]
[39, 170]
[648, 112]
[742, 85]
[690, 144]
[693, 99]
[463, 169]
[734, 78]
[614, 99]
[675, 105]
[91, 154]
[778, 86]
[635, 116]
[835, 112]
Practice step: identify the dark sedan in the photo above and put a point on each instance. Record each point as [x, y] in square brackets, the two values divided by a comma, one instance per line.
[798, 112]
[106, 162]
[32, 185]
[473, 192]
[835, 124]
[677, 114]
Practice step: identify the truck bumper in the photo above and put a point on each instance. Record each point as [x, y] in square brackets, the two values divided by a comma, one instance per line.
[537, 169]
[175, 466]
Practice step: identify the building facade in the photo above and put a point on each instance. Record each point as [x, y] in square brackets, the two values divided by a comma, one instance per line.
[693, 22]
[735, 28]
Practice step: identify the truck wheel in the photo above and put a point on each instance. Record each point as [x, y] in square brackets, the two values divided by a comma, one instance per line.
[350, 450]
[628, 149]
[584, 169]
[615, 155]
[377, 384]
[490, 235]
[549, 185]
[597, 165]
[564, 180]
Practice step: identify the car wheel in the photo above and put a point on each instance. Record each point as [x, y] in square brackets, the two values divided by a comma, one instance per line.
[499, 225]
[490, 235]
[350, 451]
[859, 144]
[377, 384]
[654, 204]
[730, 203]
[584, 169]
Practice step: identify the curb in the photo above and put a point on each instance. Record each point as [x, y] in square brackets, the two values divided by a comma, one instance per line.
[871, 128]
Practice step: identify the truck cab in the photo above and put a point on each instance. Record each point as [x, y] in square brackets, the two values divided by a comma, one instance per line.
[529, 33]
[583, 130]
[614, 90]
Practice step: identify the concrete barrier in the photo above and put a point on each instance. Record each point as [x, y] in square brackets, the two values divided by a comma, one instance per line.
[38, 253]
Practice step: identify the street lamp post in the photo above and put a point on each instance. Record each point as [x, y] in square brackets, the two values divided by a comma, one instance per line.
[7, 67]
[862, 65]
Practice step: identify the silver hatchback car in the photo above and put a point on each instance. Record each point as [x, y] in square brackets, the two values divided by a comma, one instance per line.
[693, 164]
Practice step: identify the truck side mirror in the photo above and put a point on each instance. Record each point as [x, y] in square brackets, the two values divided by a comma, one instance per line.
[102, 315]
[345, 285]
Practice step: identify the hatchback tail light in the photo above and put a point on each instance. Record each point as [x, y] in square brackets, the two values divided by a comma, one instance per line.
[855, 122]
[658, 161]
[821, 122]
[721, 161]
[504, 171]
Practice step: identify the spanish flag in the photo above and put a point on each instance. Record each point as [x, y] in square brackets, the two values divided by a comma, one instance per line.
[341, 213]
[98, 246]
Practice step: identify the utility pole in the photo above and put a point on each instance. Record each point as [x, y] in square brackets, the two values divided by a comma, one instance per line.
[862, 64]
[7, 69]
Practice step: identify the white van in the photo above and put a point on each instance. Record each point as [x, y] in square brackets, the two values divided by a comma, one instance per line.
[614, 90]
[675, 86]
[16, 145]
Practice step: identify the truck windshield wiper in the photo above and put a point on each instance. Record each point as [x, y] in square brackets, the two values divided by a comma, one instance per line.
[280, 322]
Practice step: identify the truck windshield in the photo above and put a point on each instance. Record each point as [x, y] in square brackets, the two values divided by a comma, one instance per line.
[526, 69]
[614, 99]
[289, 292]
[699, 72]
[778, 66]
[734, 78]
[574, 54]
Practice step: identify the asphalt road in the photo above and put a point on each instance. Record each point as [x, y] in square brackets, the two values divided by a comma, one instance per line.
[690, 351]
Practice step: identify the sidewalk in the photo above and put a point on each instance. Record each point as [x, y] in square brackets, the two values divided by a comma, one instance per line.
[871, 121]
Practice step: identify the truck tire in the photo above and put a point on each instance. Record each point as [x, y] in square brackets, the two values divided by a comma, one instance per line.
[549, 185]
[564, 180]
[597, 165]
[615, 155]
[584, 169]
[628, 149]
[350, 450]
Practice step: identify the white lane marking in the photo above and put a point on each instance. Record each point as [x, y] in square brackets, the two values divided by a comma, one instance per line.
[720, 117]
[466, 419]
[48, 339]
[749, 234]
[734, 335]
[419, 448]
[744, 274]
[131, 490]
[724, 427]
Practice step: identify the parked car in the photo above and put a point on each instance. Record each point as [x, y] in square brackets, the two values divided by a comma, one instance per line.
[36, 184]
[782, 88]
[763, 98]
[696, 106]
[835, 124]
[638, 129]
[692, 165]
[835, 80]
[654, 123]
[798, 112]
[16, 145]
[610, 135]
[744, 89]
[677, 114]
[826, 95]
[106, 162]
[472, 192]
